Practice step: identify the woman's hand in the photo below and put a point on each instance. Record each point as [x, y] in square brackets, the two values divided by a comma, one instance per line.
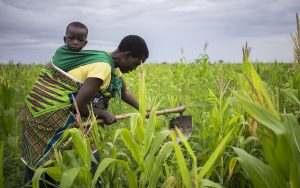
[86, 95]
[108, 118]
[148, 111]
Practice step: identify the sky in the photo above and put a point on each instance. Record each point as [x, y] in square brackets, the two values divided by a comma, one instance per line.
[31, 30]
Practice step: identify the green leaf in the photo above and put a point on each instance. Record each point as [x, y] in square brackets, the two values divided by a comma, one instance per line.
[261, 175]
[37, 176]
[131, 145]
[167, 169]
[142, 93]
[231, 166]
[278, 147]
[149, 167]
[68, 177]
[95, 133]
[54, 172]
[163, 154]
[140, 129]
[266, 118]
[288, 94]
[158, 140]
[211, 160]
[292, 125]
[133, 123]
[275, 151]
[190, 151]
[102, 166]
[209, 183]
[58, 157]
[170, 182]
[70, 158]
[249, 139]
[290, 122]
[150, 127]
[186, 178]
[186, 144]
[1, 163]
[82, 146]
[261, 89]
[117, 133]
[131, 175]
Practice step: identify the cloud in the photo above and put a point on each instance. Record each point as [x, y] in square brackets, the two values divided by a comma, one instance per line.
[31, 26]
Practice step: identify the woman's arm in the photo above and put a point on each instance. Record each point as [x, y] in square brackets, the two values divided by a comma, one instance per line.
[85, 96]
[127, 97]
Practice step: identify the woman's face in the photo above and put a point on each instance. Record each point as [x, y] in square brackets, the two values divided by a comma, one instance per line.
[75, 38]
[129, 63]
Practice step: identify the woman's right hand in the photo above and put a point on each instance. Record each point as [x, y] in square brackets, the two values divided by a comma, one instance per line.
[109, 118]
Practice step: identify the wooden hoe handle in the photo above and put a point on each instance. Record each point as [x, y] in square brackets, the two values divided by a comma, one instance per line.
[178, 109]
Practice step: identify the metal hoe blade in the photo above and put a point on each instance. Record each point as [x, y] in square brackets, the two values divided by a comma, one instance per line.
[184, 124]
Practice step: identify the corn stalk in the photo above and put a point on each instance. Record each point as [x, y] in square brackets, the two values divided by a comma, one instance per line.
[296, 39]
[279, 136]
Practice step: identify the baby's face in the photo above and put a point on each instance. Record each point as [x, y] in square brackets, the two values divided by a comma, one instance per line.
[75, 38]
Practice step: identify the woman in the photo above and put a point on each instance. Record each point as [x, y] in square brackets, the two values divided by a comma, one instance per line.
[49, 104]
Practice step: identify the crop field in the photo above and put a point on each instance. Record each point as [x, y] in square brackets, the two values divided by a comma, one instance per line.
[245, 129]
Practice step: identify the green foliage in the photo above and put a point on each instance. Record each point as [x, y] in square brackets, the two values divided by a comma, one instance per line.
[10, 165]
[278, 133]
[7, 107]
[254, 108]
[1, 163]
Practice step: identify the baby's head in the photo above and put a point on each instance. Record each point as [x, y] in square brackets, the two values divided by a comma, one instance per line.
[76, 36]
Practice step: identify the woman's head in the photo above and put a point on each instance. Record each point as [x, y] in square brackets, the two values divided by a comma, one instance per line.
[135, 52]
[135, 45]
[76, 36]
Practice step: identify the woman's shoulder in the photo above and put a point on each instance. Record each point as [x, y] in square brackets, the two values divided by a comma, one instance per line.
[97, 65]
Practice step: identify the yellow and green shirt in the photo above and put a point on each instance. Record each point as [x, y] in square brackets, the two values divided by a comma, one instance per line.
[99, 70]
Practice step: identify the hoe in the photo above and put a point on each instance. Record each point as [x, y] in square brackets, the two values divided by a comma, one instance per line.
[182, 122]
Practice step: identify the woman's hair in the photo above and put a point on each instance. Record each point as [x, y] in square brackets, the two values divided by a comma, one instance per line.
[135, 44]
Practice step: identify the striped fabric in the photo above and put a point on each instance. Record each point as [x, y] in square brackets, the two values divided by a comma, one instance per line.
[46, 115]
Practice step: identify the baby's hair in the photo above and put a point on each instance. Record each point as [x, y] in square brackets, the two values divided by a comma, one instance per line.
[77, 24]
[135, 44]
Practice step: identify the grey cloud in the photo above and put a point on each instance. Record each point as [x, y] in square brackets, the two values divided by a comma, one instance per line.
[168, 25]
